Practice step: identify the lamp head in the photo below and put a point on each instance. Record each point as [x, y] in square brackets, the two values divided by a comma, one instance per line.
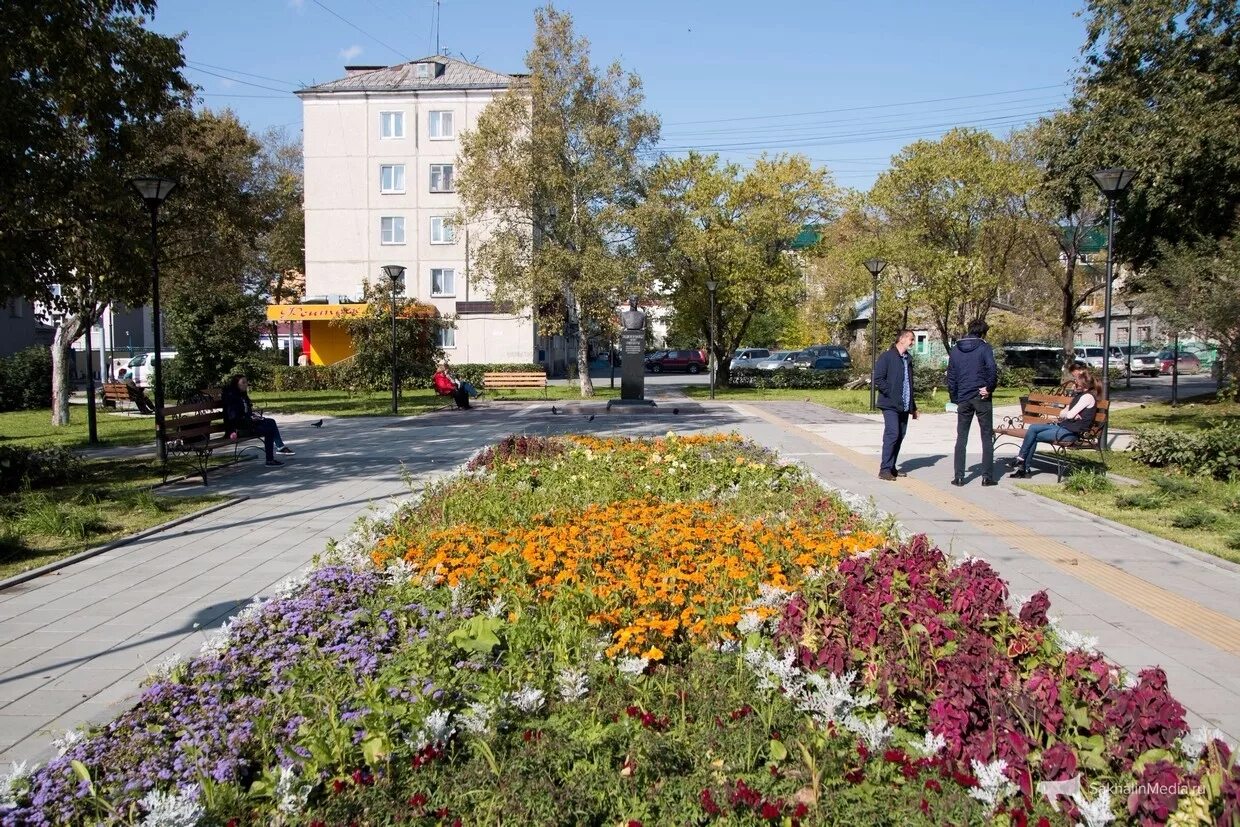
[152, 188]
[711, 285]
[1112, 182]
[875, 266]
[395, 274]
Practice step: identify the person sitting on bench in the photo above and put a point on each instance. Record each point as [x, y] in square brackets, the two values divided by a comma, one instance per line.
[448, 385]
[239, 418]
[136, 394]
[1074, 420]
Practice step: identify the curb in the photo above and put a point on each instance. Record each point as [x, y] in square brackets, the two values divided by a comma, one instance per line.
[92, 552]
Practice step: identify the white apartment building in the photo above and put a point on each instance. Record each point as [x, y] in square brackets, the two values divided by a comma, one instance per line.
[380, 150]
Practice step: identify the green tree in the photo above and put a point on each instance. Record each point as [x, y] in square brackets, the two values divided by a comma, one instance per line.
[1197, 288]
[951, 224]
[417, 349]
[76, 77]
[282, 247]
[550, 175]
[1160, 84]
[704, 220]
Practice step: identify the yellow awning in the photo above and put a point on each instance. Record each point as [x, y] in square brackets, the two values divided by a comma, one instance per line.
[322, 312]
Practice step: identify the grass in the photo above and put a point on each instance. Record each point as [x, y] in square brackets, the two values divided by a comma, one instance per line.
[1193, 414]
[112, 499]
[1198, 512]
[35, 427]
[849, 401]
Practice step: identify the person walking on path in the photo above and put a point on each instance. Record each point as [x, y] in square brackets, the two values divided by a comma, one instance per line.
[240, 418]
[893, 378]
[972, 376]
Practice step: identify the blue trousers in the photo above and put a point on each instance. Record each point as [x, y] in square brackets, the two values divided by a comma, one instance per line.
[895, 425]
[1046, 432]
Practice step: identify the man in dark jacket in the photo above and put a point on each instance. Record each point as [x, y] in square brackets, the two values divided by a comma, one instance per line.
[893, 379]
[971, 380]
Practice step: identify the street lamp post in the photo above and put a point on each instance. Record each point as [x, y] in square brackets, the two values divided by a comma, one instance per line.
[1128, 371]
[396, 275]
[1111, 183]
[875, 266]
[710, 286]
[153, 190]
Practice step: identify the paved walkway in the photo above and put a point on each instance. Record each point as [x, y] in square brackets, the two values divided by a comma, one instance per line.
[74, 645]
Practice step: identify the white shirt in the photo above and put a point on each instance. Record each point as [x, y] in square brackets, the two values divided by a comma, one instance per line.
[1086, 401]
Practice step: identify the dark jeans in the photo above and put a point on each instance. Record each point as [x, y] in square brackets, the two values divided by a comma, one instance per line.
[895, 425]
[461, 395]
[269, 431]
[1046, 432]
[983, 409]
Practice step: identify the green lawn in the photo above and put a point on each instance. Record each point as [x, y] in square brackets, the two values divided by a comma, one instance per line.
[35, 427]
[850, 401]
[1197, 413]
[112, 499]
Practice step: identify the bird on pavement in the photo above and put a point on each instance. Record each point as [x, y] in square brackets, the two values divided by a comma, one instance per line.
[591, 419]
[676, 411]
[553, 410]
[318, 424]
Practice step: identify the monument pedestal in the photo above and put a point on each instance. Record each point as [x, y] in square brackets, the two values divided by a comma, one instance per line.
[630, 403]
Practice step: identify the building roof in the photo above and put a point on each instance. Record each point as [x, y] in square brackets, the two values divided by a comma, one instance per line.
[449, 74]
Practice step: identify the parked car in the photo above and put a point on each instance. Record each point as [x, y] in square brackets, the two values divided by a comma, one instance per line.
[1144, 362]
[747, 357]
[833, 351]
[1091, 356]
[652, 356]
[687, 360]
[1189, 364]
[828, 363]
[785, 359]
[142, 366]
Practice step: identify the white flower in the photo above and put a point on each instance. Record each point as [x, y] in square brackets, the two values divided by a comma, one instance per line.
[749, 622]
[9, 781]
[827, 699]
[774, 673]
[291, 585]
[436, 729]
[176, 809]
[165, 668]
[66, 741]
[1196, 741]
[476, 718]
[1071, 640]
[1097, 813]
[215, 645]
[992, 785]
[632, 666]
[727, 646]
[398, 571]
[527, 699]
[931, 744]
[875, 732]
[572, 684]
[290, 795]
[496, 607]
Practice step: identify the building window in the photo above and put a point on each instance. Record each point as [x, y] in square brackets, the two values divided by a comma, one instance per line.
[392, 229]
[441, 231]
[1145, 333]
[423, 70]
[392, 178]
[440, 125]
[443, 281]
[391, 124]
[447, 337]
[441, 178]
[921, 343]
[1098, 338]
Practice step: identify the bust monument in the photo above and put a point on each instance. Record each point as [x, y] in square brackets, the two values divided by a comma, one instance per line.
[633, 319]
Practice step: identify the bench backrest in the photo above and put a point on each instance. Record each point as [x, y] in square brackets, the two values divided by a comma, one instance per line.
[115, 391]
[192, 422]
[529, 379]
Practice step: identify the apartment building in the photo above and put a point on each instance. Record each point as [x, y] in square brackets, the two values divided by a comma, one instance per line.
[380, 150]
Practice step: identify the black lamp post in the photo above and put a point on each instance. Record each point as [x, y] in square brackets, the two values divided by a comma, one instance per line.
[1111, 183]
[710, 286]
[875, 266]
[396, 275]
[153, 190]
[1128, 371]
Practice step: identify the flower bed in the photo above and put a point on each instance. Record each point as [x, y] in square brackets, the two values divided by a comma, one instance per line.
[673, 631]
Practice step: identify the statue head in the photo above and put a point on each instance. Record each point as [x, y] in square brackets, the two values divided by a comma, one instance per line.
[632, 302]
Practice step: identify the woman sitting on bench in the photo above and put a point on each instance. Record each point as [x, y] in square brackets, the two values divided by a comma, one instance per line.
[239, 418]
[1074, 420]
[447, 385]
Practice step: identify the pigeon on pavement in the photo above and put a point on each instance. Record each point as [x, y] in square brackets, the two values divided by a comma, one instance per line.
[553, 410]
[591, 419]
[318, 424]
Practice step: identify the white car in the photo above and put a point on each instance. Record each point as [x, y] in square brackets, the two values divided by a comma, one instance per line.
[1091, 356]
[142, 366]
[747, 357]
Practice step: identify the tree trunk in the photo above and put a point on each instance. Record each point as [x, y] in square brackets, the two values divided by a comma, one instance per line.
[583, 365]
[1067, 330]
[67, 331]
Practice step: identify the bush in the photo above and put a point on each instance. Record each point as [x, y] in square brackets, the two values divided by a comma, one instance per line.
[36, 467]
[787, 378]
[1143, 500]
[1017, 377]
[1214, 452]
[344, 376]
[1175, 487]
[1088, 482]
[1195, 516]
[26, 380]
[1233, 540]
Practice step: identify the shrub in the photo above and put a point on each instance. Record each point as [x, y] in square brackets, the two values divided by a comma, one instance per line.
[36, 467]
[1233, 540]
[26, 380]
[787, 378]
[1017, 377]
[1214, 451]
[1195, 516]
[1175, 487]
[1143, 500]
[1088, 482]
[345, 376]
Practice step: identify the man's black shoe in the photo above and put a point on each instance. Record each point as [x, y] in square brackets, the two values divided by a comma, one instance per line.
[1020, 474]
[988, 481]
[886, 475]
[274, 462]
[958, 481]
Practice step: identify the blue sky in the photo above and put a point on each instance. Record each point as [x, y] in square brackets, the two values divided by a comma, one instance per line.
[846, 83]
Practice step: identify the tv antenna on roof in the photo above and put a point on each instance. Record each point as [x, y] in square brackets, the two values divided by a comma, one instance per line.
[435, 25]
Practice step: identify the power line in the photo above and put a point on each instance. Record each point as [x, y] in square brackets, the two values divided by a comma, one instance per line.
[195, 64]
[245, 82]
[360, 29]
[227, 95]
[872, 106]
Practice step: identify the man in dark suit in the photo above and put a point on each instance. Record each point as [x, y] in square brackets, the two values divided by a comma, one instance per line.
[893, 379]
[971, 380]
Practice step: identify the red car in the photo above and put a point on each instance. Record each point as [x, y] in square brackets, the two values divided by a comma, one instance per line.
[687, 360]
[1189, 364]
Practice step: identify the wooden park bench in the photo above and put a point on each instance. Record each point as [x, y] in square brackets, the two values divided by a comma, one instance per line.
[535, 380]
[196, 429]
[118, 395]
[1042, 408]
